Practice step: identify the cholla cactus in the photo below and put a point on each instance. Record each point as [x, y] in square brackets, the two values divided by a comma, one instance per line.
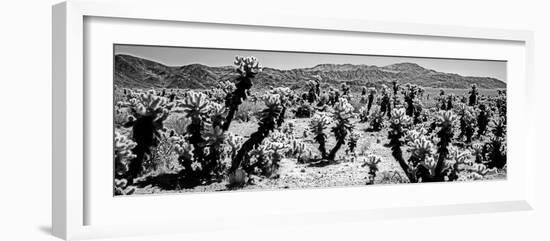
[385, 103]
[217, 114]
[148, 111]
[467, 122]
[376, 118]
[482, 119]
[353, 139]
[234, 143]
[343, 112]
[123, 153]
[372, 163]
[196, 107]
[284, 94]
[428, 162]
[248, 68]
[317, 125]
[399, 122]
[446, 122]
[260, 161]
[473, 95]
[499, 127]
[268, 122]
[363, 114]
[497, 145]
[410, 92]
[370, 98]
[345, 89]
[121, 187]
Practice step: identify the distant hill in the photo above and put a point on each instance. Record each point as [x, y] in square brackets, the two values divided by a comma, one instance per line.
[134, 72]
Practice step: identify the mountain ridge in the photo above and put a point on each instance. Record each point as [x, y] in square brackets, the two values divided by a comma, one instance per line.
[136, 72]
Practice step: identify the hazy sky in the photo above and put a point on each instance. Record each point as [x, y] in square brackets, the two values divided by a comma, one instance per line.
[178, 56]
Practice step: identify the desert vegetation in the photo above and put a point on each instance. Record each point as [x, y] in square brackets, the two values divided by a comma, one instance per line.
[244, 135]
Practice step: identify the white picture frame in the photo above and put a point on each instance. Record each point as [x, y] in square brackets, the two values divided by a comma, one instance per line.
[71, 191]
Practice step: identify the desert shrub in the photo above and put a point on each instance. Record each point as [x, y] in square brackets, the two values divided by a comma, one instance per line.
[177, 123]
[237, 179]
[163, 158]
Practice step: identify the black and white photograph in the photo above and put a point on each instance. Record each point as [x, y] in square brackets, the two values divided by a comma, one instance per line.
[190, 120]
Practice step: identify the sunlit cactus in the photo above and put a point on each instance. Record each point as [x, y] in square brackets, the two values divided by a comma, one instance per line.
[372, 163]
[395, 88]
[147, 112]
[284, 94]
[345, 89]
[121, 187]
[410, 92]
[458, 161]
[496, 155]
[363, 114]
[196, 107]
[248, 68]
[342, 113]
[217, 113]
[376, 119]
[399, 123]
[214, 141]
[123, 153]
[500, 102]
[317, 125]
[467, 122]
[446, 123]
[499, 127]
[352, 142]
[267, 123]
[233, 143]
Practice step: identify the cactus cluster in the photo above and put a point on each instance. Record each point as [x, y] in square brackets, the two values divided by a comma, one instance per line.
[429, 161]
[267, 123]
[148, 111]
[468, 122]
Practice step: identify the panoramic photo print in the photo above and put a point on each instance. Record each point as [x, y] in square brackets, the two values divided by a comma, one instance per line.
[205, 120]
